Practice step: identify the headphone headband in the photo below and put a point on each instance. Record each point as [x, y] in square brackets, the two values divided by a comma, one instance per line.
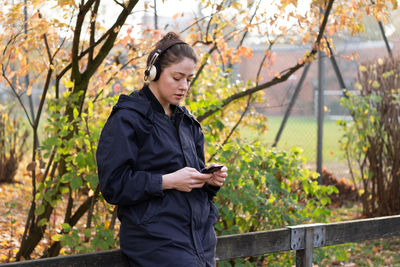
[158, 52]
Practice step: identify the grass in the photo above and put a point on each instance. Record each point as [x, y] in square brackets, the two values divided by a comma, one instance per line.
[302, 132]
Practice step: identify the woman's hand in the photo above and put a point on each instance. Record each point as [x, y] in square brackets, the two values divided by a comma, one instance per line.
[185, 179]
[218, 177]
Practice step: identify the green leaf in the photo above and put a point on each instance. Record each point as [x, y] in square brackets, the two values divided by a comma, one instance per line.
[39, 210]
[76, 183]
[64, 189]
[93, 180]
[87, 232]
[66, 178]
[66, 227]
[42, 222]
[80, 160]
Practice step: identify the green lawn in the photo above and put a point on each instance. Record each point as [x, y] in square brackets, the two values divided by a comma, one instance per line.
[302, 132]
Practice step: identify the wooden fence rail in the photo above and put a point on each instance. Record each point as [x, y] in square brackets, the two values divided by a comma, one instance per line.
[301, 238]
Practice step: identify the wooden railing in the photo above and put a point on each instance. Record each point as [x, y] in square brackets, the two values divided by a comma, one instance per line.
[301, 238]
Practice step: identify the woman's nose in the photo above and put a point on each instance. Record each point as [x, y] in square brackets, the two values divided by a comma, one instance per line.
[184, 85]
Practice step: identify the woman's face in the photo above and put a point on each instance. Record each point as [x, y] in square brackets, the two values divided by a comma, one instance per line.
[174, 83]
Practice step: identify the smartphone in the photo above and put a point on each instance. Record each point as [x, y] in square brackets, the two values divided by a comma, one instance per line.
[212, 169]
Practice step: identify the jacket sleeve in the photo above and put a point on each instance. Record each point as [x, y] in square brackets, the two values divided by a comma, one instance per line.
[120, 183]
[199, 141]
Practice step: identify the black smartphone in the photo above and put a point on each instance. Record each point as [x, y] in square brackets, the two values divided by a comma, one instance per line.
[212, 169]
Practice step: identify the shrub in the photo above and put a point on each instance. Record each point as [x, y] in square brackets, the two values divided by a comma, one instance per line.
[267, 189]
[12, 145]
[372, 139]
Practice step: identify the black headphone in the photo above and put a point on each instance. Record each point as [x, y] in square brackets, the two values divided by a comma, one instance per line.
[153, 70]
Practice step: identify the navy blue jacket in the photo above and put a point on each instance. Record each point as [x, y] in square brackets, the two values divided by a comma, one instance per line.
[139, 144]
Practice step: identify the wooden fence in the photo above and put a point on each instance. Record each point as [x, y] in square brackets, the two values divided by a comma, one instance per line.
[301, 238]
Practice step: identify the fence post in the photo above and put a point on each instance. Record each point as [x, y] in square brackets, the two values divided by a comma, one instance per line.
[304, 238]
[304, 256]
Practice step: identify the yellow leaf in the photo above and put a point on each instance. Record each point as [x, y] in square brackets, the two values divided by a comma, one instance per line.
[67, 3]
[56, 237]
[380, 61]
[362, 68]
[69, 84]
[4, 244]
[376, 84]
[271, 199]
[372, 118]
[236, 5]
[90, 108]
[29, 90]
[75, 113]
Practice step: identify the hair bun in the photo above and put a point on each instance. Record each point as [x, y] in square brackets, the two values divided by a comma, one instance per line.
[168, 37]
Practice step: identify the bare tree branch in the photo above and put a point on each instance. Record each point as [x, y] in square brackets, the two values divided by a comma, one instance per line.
[14, 90]
[120, 4]
[93, 17]
[109, 42]
[247, 105]
[83, 9]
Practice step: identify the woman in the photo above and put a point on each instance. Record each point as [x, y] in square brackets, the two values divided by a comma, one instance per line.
[150, 156]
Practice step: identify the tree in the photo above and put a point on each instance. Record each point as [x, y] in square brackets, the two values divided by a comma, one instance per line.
[24, 49]
[78, 62]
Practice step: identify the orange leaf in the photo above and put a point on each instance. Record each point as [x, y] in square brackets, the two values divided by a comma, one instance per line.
[174, 17]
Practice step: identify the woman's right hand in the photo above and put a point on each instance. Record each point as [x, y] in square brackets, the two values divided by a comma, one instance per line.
[185, 179]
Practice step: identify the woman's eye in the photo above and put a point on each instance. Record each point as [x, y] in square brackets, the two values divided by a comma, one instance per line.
[176, 79]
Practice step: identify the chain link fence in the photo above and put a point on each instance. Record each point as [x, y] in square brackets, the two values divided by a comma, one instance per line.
[301, 127]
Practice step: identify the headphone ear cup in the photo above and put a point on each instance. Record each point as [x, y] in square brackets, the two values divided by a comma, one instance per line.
[152, 74]
[156, 71]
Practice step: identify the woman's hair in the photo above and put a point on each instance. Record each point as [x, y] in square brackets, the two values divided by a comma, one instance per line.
[174, 54]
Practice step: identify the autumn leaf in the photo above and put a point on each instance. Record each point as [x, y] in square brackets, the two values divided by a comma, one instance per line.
[67, 3]
[174, 17]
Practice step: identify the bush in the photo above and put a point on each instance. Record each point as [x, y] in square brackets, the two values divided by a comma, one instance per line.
[267, 189]
[372, 139]
[12, 145]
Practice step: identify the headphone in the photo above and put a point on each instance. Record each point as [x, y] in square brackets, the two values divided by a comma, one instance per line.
[153, 70]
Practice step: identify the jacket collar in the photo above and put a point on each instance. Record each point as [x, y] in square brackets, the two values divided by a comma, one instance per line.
[155, 104]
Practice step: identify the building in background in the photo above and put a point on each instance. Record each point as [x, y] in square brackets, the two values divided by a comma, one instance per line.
[277, 97]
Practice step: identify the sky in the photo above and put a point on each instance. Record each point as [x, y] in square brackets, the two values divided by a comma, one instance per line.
[168, 8]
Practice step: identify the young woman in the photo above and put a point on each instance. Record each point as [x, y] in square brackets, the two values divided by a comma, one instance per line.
[150, 156]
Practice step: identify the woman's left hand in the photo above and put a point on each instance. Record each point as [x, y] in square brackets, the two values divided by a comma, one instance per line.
[218, 178]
